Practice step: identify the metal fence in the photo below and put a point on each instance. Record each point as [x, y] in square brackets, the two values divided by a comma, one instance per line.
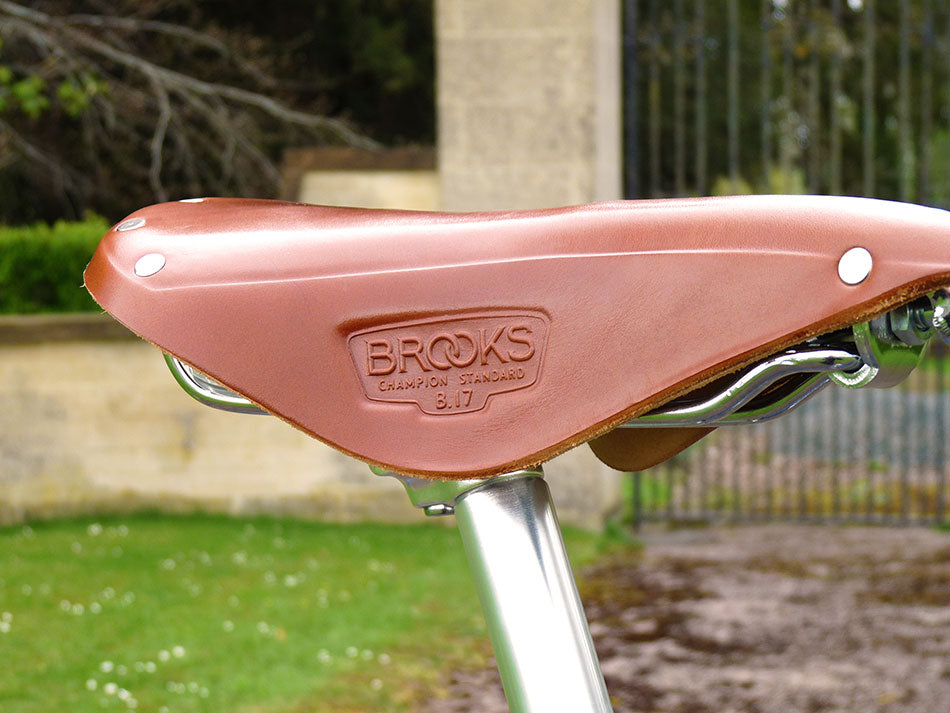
[782, 96]
[819, 96]
[877, 456]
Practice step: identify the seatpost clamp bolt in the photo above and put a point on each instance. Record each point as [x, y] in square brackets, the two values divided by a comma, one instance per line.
[940, 299]
[911, 323]
[438, 510]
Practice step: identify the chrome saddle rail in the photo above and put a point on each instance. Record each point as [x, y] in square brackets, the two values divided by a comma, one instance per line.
[206, 390]
[879, 354]
[726, 407]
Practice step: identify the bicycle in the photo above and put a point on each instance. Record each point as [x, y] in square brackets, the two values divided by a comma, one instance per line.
[459, 352]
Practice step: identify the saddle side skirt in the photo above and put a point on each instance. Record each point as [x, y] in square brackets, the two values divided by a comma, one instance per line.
[453, 346]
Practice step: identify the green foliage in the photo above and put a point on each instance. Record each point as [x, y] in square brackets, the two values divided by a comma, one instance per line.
[41, 266]
[940, 167]
[76, 93]
[655, 492]
[787, 182]
[725, 186]
[30, 93]
[373, 61]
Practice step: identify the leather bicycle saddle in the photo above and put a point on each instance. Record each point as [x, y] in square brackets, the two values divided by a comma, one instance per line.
[467, 345]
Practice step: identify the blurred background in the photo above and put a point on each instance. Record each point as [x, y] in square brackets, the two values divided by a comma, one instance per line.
[111, 106]
[422, 104]
[451, 106]
[843, 98]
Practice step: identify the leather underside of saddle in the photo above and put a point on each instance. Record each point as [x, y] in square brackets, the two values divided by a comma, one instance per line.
[468, 345]
[632, 449]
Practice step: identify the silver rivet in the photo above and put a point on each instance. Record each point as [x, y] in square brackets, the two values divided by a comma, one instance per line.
[131, 224]
[855, 266]
[148, 265]
[191, 200]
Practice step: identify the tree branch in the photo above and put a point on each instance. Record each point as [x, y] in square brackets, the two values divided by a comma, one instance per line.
[200, 39]
[147, 122]
[158, 142]
[61, 174]
[170, 77]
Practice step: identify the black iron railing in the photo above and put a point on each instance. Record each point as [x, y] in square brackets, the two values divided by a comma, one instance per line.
[784, 96]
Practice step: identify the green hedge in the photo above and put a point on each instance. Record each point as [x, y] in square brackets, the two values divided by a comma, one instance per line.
[41, 266]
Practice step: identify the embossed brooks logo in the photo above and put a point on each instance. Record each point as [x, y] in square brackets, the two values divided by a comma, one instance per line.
[450, 365]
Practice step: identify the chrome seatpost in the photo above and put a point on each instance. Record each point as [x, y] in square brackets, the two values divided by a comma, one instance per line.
[535, 619]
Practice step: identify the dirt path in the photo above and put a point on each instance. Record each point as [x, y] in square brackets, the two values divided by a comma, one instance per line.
[776, 619]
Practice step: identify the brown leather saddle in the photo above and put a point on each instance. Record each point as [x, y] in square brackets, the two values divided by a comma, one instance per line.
[467, 345]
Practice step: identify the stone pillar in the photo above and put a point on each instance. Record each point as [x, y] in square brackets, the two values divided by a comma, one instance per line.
[529, 98]
[529, 102]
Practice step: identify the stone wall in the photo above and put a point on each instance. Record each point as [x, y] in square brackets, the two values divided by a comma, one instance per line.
[91, 421]
[402, 190]
[403, 177]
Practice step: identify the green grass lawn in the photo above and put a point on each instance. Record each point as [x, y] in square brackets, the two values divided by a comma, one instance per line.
[203, 613]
